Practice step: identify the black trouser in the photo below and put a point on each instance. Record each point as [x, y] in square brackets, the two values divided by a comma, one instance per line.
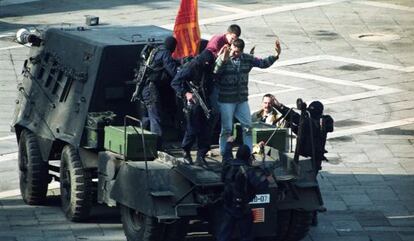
[229, 223]
[197, 129]
[153, 113]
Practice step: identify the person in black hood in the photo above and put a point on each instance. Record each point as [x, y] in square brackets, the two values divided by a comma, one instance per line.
[313, 134]
[315, 129]
[162, 70]
[241, 184]
[199, 73]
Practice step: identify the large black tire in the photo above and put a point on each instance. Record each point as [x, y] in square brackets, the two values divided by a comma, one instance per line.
[292, 225]
[75, 185]
[139, 227]
[33, 170]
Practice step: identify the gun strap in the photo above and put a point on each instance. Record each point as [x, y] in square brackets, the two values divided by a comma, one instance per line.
[299, 136]
[150, 60]
[312, 143]
[202, 85]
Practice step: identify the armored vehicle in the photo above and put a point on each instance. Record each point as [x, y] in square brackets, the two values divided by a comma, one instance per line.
[75, 124]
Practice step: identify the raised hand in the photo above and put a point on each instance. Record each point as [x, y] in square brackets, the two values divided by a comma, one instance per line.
[226, 46]
[275, 101]
[226, 52]
[277, 47]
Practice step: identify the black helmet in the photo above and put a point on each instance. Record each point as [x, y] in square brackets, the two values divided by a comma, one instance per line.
[315, 109]
[205, 58]
[170, 43]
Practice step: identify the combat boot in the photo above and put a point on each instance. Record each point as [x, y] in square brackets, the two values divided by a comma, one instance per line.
[187, 157]
[201, 161]
[314, 218]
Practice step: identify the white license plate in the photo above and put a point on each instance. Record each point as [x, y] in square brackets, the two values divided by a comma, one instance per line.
[261, 198]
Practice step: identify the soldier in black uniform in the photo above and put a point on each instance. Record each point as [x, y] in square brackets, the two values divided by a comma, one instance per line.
[160, 71]
[241, 184]
[315, 129]
[198, 72]
[314, 133]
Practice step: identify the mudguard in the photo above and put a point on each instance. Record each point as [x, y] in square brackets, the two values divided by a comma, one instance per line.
[155, 191]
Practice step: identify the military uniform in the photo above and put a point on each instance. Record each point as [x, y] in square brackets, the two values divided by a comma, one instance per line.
[198, 71]
[314, 133]
[161, 71]
[311, 123]
[241, 183]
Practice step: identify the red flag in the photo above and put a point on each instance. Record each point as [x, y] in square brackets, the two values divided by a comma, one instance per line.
[186, 29]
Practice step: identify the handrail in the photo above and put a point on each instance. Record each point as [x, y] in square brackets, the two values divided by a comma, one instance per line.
[143, 142]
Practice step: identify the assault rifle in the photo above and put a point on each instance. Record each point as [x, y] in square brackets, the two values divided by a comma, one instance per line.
[141, 72]
[199, 99]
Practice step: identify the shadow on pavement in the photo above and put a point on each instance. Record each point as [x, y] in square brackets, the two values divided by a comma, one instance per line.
[364, 206]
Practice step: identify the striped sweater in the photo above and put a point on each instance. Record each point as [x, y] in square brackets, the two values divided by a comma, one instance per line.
[233, 80]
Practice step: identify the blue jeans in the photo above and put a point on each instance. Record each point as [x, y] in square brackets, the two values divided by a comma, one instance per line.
[242, 113]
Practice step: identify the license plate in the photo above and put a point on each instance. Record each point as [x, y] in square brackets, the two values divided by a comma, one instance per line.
[261, 198]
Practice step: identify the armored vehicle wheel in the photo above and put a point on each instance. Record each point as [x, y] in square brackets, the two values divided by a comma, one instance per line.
[293, 225]
[75, 185]
[33, 171]
[138, 226]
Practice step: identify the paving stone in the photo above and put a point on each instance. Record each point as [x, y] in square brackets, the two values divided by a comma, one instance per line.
[395, 170]
[362, 208]
[112, 229]
[21, 233]
[379, 154]
[390, 229]
[354, 157]
[371, 219]
[382, 194]
[326, 236]
[88, 232]
[61, 239]
[63, 235]
[367, 179]
[7, 238]
[402, 221]
[343, 180]
[406, 235]
[356, 199]
[351, 189]
[384, 236]
[395, 209]
[347, 226]
[324, 227]
[363, 171]
[4, 226]
[335, 205]
[400, 148]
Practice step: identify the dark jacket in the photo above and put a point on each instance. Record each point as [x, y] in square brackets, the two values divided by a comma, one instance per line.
[241, 183]
[197, 72]
[318, 138]
[233, 81]
[166, 68]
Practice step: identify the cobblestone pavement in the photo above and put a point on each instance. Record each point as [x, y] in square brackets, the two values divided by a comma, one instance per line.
[355, 56]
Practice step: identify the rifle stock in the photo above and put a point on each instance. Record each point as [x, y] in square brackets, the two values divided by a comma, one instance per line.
[206, 110]
[140, 77]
